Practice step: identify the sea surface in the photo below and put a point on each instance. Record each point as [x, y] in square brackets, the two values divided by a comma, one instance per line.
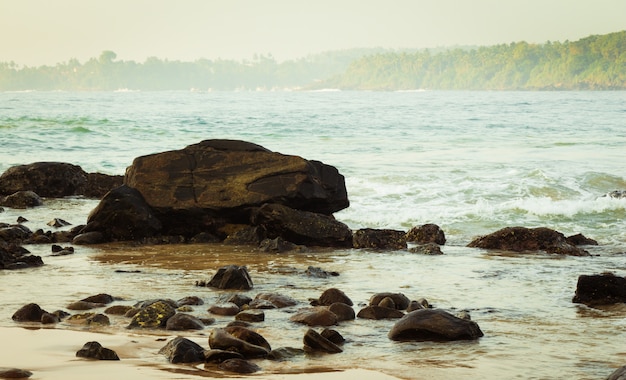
[471, 162]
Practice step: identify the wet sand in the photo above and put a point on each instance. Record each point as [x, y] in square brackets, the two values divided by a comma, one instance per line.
[51, 354]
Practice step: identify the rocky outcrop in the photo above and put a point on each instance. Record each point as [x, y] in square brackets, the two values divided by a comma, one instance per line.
[600, 289]
[434, 325]
[224, 190]
[56, 180]
[230, 176]
[519, 239]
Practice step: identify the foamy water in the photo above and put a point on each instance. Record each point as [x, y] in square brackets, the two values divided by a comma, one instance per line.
[471, 162]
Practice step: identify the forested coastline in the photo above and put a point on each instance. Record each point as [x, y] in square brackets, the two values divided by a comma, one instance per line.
[592, 63]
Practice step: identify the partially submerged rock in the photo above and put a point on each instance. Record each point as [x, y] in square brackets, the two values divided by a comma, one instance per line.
[231, 277]
[29, 313]
[379, 312]
[317, 316]
[13, 256]
[519, 239]
[182, 321]
[379, 239]
[183, 350]
[14, 373]
[222, 339]
[313, 341]
[302, 227]
[21, 199]
[426, 233]
[94, 350]
[434, 325]
[600, 289]
[332, 295]
[237, 365]
[400, 301]
[153, 315]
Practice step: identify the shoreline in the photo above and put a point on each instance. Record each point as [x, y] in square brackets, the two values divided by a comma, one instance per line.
[50, 354]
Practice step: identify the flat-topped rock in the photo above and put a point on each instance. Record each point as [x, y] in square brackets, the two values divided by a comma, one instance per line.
[230, 175]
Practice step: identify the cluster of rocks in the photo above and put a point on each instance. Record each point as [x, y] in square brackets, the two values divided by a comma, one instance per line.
[232, 347]
[27, 186]
[233, 192]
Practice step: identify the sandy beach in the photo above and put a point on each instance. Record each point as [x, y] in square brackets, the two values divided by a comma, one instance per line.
[51, 354]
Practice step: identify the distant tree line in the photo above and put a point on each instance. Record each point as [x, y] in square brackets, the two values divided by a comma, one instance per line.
[106, 73]
[595, 62]
[592, 63]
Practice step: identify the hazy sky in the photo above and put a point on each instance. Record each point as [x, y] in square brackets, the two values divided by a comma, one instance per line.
[36, 32]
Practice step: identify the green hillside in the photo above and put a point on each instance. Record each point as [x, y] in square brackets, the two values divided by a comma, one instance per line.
[592, 63]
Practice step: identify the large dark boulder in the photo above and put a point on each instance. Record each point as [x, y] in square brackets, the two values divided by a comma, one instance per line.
[57, 180]
[600, 289]
[434, 325]
[48, 179]
[229, 176]
[302, 227]
[123, 215]
[519, 239]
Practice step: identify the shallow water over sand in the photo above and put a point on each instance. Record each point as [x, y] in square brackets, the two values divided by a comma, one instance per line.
[521, 302]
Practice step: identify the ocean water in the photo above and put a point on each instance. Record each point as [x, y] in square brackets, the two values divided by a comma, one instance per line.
[471, 162]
